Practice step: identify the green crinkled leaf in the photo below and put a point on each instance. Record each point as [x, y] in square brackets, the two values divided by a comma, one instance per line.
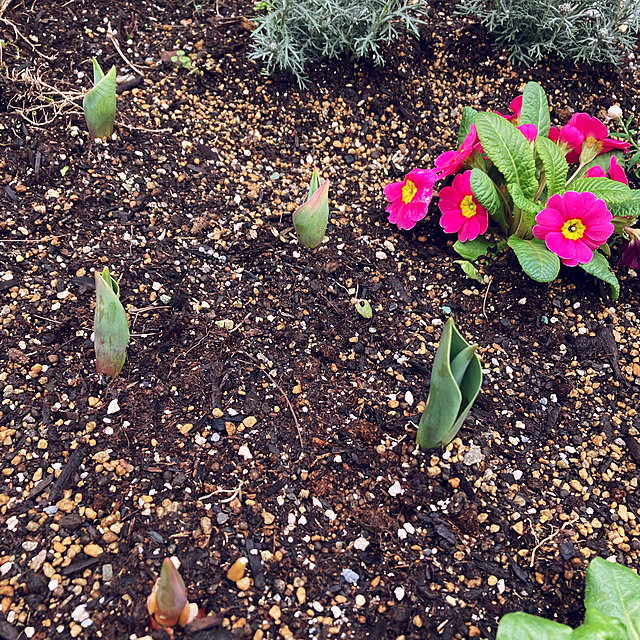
[530, 208]
[472, 249]
[468, 118]
[99, 104]
[535, 108]
[614, 588]
[470, 270]
[599, 267]
[522, 626]
[610, 191]
[630, 208]
[554, 163]
[509, 150]
[448, 403]
[485, 192]
[536, 260]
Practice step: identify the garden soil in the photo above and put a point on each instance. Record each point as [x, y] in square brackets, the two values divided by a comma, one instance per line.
[258, 415]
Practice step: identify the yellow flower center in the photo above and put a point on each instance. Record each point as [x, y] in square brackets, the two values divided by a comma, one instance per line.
[468, 207]
[408, 192]
[573, 229]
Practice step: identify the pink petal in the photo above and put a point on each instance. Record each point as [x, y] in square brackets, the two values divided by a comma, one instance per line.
[596, 172]
[393, 191]
[583, 252]
[560, 245]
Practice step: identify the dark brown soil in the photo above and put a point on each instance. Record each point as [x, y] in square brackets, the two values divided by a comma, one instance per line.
[258, 414]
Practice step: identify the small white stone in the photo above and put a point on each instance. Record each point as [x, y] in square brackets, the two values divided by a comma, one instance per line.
[80, 613]
[408, 398]
[360, 600]
[331, 515]
[244, 452]
[360, 543]
[473, 456]
[381, 255]
[53, 585]
[402, 534]
[399, 593]
[409, 528]
[5, 568]
[517, 474]
[113, 407]
[395, 489]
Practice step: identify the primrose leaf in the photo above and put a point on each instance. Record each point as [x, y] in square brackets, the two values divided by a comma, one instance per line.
[611, 191]
[522, 626]
[535, 108]
[99, 104]
[470, 270]
[509, 150]
[535, 259]
[599, 267]
[603, 161]
[630, 208]
[531, 209]
[554, 163]
[449, 402]
[472, 249]
[485, 192]
[614, 588]
[468, 118]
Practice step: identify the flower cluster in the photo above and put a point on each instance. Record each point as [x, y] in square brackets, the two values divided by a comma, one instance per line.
[514, 170]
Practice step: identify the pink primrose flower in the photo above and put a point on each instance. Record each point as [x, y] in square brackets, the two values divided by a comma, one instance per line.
[569, 139]
[461, 212]
[595, 136]
[516, 107]
[573, 226]
[409, 198]
[630, 256]
[450, 162]
[529, 131]
[616, 172]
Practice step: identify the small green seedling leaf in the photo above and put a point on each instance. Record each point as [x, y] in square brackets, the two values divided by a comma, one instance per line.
[63, 171]
[364, 308]
[110, 326]
[456, 379]
[99, 104]
[470, 270]
[310, 219]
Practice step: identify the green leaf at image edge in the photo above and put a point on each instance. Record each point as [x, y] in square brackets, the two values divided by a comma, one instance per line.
[509, 150]
[614, 588]
[484, 191]
[472, 249]
[599, 268]
[536, 260]
[535, 109]
[630, 208]
[522, 626]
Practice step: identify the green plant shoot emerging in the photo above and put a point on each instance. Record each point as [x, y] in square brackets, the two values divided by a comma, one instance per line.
[100, 103]
[310, 220]
[110, 326]
[456, 379]
[612, 603]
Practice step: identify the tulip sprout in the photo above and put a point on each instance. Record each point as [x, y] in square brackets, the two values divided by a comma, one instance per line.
[110, 326]
[99, 104]
[310, 219]
[167, 603]
[456, 379]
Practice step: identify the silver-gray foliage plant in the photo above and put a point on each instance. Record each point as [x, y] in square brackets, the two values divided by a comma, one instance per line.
[580, 30]
[293, 33]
